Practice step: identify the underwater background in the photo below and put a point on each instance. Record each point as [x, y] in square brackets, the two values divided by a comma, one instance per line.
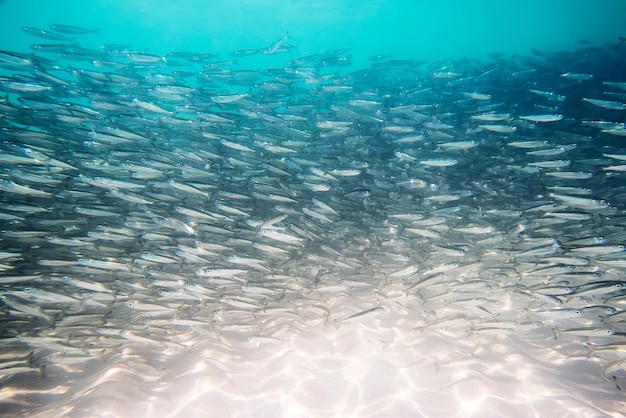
[312, 208]
[418, 30]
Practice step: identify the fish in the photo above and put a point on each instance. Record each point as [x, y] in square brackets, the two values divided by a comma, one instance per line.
[73, 30]
[499, 128]
[276, 47]
[363, 315]
[548, 95]
[542, 118]
[169, 219]
[440, 162]
[584, 332]
[477, 96]
[44, 34]
[606, 104]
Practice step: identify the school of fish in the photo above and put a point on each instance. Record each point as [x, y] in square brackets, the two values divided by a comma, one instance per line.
[187, 235]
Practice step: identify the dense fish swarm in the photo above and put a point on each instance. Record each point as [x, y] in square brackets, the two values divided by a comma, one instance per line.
[186, 236]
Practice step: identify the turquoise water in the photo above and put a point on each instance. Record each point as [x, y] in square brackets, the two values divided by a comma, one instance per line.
[425, 217]
[406, 29]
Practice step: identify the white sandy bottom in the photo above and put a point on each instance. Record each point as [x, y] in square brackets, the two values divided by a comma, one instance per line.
[365, 369]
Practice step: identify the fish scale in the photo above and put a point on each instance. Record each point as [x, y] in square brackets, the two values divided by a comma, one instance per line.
[302, 217]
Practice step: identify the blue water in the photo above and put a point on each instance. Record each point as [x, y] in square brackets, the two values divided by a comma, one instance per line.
[421, 30]
[476, 316]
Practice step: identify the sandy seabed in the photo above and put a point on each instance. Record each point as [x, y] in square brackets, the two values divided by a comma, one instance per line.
[413, 359]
